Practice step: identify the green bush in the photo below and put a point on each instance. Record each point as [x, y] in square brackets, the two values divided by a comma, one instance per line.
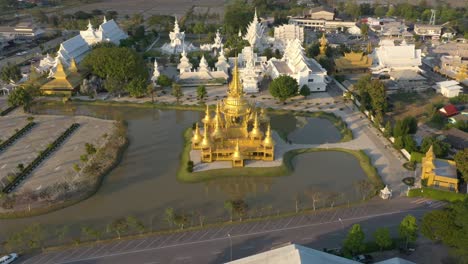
[416, 156]
[437, 194]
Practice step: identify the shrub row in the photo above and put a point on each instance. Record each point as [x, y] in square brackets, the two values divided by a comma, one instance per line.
[42, 155]
[8, 110]
[16, 136]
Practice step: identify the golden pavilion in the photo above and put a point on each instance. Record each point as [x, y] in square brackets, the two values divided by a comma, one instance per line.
[236, 132]
[65, 81]
[439, 173]
[353, 62]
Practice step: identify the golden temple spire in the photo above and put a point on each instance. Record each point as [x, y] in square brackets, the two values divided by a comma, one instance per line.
[323, 44]
[256, 133]
[235, 87]
[237, 154]
[196, 135]
[60, 71]
[268, 141]
[207, 119]
[206, 142]
[217, 133]
[73, 68]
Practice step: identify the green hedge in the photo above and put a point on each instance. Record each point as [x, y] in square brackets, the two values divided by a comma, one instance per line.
[437, 194]
[5, 144]
[416, 156]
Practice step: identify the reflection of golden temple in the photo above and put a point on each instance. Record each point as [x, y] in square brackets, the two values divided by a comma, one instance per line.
[353, 62]
[64, 82]
[323, 44]
[226, 136]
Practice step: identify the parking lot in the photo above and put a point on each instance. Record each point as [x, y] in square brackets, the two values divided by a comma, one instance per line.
[209, 245]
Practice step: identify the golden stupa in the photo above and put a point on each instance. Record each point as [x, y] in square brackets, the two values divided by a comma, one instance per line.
[323, 44]
[236, 132]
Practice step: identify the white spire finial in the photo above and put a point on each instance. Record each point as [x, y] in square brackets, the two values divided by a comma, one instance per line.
[90, 26]
[255, 16]
[105, 19]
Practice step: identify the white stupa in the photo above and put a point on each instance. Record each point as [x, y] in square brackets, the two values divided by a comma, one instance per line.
[178, 43]
[156, 72]
[217, 43]
[255, 33]
[222, 64]
[184, 64]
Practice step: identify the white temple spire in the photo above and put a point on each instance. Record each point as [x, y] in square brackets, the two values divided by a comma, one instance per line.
[90, 26]
[104, 20]
[156, 72]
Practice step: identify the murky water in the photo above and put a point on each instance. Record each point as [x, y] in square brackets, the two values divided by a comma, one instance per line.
[144, 184]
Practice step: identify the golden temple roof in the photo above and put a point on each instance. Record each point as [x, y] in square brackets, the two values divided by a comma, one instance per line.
[268, 141]
[353, 60]
[63, 80]
[235, 104]
[197, 138]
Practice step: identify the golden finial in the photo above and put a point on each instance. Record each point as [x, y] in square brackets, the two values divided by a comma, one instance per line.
[207, 119]
[235, 87]
[217, 133]
[206, 142]
[268, 141]
[196, 135]
[255, 133]
[237, 154]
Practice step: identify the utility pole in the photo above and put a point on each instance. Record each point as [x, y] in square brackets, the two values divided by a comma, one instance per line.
[230, 245]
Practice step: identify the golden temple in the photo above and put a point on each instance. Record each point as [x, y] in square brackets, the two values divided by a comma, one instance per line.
[236, 132]
[64, 82]
[353, 62]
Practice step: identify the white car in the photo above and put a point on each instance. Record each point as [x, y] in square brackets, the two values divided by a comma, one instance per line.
[8, 258]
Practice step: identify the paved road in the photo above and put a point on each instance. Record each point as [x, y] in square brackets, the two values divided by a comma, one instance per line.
[325, 228]
[31, 53]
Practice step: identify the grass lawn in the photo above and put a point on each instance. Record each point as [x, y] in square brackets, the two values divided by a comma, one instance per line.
[437, 194]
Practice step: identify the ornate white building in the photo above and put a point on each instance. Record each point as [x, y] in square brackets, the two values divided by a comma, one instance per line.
[295, 64]
[222, 64]
[389, 57]
[203, 74]
[78, 46]
[255, 33]
[217, 43]
[177, 44]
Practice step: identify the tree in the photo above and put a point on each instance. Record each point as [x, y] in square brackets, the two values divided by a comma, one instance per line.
[438, 225]
[440, 148]
[91, 233]
[461, 159]
[283, 87]
[169, 215]
[237, 15]
[229, 207]
[201, 92]
[365, 188]
[10, 73]
[240, 208]
[382, 238]
[177, 91]
[408, 229]
[354, 242]
[305, 91]
[409, 143]
[388, 129]
[135, 224]
[118, 226]
[364, 29]
[199, 28]
[137, 87]
[20, 97]
[380, 11]
[164, 80]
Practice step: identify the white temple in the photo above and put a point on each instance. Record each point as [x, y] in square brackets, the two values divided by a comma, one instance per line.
[222, 64]
[285, 33]
[255, 33]
[156, 72]
[203, 74]
[295, 64]
[216, 45]
[177, 44]
[78, 46]
[252, 68]
[389, 57]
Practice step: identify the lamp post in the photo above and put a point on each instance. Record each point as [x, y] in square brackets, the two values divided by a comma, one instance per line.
[230, 245]
[341, 222]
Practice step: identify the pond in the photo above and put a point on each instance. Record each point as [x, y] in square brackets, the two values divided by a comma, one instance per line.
[144, 184]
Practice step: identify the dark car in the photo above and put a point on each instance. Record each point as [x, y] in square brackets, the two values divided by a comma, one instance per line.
[364, 258]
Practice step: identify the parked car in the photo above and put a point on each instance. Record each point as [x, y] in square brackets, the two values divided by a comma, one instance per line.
[334, 251]
[364, 258]
[8, 258]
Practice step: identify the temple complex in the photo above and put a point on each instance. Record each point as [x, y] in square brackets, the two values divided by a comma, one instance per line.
[204, 74]
[439, 173]
[236, 132]
[177, 44]
[295, 64]
[64, 81]
[353, 62]
[252, 68]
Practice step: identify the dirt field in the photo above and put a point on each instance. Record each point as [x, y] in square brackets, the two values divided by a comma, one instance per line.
[413, 104]
[151, 7]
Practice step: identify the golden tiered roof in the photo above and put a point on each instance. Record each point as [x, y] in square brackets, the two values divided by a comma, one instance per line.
[64, 81]
[226, 136]
[353, 61]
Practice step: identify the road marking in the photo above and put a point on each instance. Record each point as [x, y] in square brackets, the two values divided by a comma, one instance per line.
[246, 235]
[247, 247]
[207, 231]
[288, 222]
[144, 240]
[95, 253]
[128, 244]
[84, 252]
[253, 227]
[177, 239]
[214, 235]
[118, 243]
[157, 239]
[333, 216]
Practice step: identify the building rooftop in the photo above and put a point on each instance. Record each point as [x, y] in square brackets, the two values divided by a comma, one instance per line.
[406, 76]
[457, 138]
[282, 67]
[444, 168]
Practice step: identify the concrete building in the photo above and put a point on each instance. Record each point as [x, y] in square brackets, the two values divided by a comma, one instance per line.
[432, 31]
[406, 81]
[285, 33]
[389, 57]
[23, 30]
[322, 12]
[295, 64]
[321, 24]
[448, 88]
